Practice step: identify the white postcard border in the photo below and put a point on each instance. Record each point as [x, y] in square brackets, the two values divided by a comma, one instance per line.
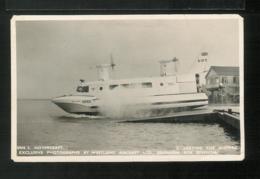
[120, 158]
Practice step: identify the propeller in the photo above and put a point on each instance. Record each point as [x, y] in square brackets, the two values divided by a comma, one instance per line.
[112, 64]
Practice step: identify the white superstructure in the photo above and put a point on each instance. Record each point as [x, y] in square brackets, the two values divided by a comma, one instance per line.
[170, 90]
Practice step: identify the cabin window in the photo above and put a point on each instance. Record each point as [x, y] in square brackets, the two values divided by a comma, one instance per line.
[125, 85]
[129, 85]
[161, 84]
[112, 86]
[86, 101]
[83, 89]
[100, 88]
[147, 85]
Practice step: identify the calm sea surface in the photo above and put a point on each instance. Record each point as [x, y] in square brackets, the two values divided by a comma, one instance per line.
[43, 123]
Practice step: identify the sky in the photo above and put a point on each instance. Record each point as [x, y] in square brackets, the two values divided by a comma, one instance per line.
[53, 55]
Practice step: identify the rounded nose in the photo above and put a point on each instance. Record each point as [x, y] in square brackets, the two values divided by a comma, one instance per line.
[59, 99]
[54, 100]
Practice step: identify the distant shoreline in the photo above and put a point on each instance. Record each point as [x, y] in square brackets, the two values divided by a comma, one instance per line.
[33, 99]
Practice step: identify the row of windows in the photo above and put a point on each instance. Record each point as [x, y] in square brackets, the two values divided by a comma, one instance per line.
[127, 85]
[224, 80]
[133, 85]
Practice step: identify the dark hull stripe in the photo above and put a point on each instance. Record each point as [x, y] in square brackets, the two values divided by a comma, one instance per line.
[174, 102]
[94, 107]
[87, 113]
[173, 94]
[175, 109]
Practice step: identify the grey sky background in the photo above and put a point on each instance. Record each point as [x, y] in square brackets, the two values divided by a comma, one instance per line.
[53, 55]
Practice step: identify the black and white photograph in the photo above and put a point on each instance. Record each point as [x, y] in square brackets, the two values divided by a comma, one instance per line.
[120, 88]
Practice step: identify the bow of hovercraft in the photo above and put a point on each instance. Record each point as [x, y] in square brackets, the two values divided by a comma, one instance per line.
[77, 104]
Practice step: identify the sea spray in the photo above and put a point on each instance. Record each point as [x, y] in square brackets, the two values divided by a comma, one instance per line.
[123, 103]
[80, 116]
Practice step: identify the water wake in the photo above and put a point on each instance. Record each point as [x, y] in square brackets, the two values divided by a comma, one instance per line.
[80, 116]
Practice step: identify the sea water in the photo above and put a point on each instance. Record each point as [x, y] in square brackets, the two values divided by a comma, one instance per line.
[42, 123]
